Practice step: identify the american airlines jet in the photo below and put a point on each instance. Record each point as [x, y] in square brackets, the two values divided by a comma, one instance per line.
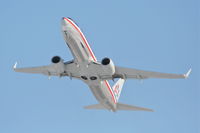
[95, 74]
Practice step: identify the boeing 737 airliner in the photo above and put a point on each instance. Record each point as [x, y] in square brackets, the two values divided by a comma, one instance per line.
[95, 74]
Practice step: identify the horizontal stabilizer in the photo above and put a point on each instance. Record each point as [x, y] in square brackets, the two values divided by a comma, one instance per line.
[121, 106]
[95, 106]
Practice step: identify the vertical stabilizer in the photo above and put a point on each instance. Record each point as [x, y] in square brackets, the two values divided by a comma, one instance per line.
[117, 88]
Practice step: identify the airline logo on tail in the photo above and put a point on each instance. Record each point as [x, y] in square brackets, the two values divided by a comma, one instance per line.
[117, 88]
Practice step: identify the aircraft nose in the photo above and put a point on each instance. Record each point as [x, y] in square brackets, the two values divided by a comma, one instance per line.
[63, 21]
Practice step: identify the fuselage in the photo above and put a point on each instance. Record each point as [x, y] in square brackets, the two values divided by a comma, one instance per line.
[84, 58]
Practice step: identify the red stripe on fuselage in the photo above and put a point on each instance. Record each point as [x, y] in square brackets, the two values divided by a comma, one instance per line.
[91, 53]
[83, 37]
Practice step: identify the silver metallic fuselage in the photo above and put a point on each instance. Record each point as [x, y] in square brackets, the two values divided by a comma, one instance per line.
[85, 64]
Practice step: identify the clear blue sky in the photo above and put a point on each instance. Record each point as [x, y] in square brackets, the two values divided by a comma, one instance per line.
[151, 35]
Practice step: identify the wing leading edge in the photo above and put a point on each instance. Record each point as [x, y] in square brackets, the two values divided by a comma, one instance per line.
[50, 70]
[121, 72]
[36, 70]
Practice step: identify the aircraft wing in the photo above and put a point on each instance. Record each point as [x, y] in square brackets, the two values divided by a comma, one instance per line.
[46, 70]
[37, 70]
[49, 70]
[127, 73]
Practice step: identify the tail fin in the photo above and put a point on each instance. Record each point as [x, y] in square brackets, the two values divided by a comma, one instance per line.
[117, 88]
[121, 106]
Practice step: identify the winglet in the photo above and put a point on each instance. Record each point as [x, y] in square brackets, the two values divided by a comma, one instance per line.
[188, 73]
[15, 66]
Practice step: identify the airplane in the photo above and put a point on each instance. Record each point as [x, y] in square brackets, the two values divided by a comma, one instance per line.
[94, 73]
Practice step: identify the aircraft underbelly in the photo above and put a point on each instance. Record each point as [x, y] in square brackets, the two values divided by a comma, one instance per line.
[102, 94]
[82, 53]
[76, 45]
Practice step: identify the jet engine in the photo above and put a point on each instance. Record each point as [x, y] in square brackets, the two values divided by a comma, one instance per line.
[58, 64]
[109, 67]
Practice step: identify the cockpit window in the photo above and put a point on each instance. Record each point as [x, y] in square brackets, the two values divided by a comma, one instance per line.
[72, 20]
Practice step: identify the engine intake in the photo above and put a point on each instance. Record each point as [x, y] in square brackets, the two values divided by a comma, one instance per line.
[58, 65]
[105, 61]
[56, 59]
[108, 66]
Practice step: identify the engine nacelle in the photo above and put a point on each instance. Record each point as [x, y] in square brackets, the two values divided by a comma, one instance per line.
[56, 59]
[109, 67]
[58, 64]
